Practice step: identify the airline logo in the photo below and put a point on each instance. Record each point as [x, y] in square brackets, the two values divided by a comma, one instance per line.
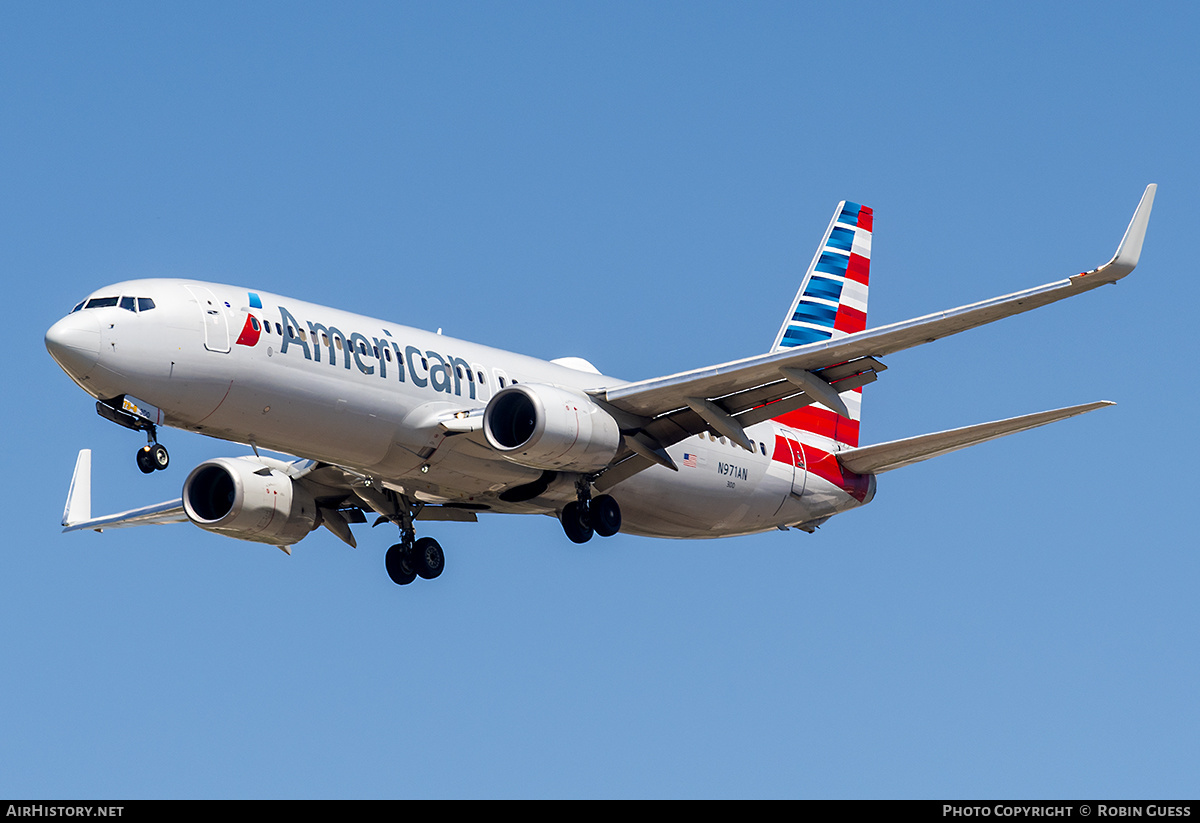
[250, 332]
[373, 355]
[832, 303]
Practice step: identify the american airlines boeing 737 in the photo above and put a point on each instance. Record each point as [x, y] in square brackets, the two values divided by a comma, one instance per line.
[403, 425]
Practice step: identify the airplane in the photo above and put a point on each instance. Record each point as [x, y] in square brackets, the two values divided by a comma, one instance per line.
[407, 425]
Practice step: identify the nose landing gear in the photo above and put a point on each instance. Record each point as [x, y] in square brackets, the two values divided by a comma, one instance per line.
[152, 457]
[138, 416]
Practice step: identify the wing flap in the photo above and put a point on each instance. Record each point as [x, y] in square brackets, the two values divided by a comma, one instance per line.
[884, 457]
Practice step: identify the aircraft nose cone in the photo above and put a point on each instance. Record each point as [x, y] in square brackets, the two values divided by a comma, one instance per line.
[74, 343]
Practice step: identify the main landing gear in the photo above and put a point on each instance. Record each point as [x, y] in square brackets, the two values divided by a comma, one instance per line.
[590, 515]
[410, 559]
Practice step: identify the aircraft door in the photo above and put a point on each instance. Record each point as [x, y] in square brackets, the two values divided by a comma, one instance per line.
[212, 315]
[795, 452]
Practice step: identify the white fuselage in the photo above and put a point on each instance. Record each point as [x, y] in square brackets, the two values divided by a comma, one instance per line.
[367, 394]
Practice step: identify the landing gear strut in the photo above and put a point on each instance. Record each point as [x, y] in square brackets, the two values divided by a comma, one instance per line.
[589, 515]
[153, 456]
[411, 557]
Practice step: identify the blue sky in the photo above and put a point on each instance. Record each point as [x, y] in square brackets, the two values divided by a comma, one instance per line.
[642, 185]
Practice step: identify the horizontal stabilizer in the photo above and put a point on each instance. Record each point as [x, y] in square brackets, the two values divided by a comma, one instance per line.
[887, 456]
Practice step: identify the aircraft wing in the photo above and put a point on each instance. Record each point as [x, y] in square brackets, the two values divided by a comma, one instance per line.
[77, 515]
[727, 397]
[342, 497]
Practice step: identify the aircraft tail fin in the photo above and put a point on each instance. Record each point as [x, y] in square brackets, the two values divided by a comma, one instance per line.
[832, 303]
[832, 300]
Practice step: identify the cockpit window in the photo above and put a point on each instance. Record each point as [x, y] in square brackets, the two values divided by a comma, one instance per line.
[133, 304]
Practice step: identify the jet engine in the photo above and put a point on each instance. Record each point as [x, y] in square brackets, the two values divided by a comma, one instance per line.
[548, 427]
[249, 499]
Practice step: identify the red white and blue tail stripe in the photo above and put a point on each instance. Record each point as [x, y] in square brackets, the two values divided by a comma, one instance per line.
[832, 303]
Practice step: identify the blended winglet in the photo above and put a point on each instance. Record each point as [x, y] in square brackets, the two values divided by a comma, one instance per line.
[79, 496]
[1130, 249]
[77, 515]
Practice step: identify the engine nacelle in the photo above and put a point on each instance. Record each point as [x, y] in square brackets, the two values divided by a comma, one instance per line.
[548, 427]
[249, 499]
